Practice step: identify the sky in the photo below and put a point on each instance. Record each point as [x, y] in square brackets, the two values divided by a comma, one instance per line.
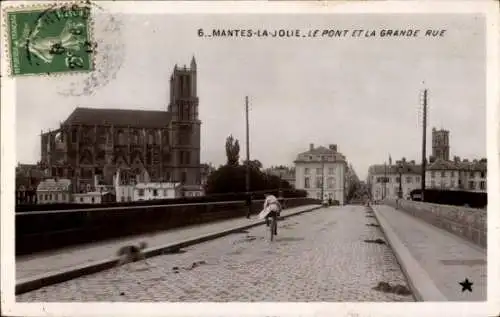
[363, 94]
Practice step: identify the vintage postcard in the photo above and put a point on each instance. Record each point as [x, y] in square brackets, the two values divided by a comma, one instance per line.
[250, 158]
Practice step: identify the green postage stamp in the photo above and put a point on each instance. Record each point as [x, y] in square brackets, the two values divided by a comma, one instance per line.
[50, 39]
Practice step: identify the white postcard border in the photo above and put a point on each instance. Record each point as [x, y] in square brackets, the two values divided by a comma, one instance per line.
[8, 161]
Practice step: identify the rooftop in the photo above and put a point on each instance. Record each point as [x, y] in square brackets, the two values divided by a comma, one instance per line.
[54, 185]
[119, 117]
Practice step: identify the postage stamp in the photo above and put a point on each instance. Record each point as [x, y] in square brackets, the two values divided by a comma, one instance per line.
[53, 39]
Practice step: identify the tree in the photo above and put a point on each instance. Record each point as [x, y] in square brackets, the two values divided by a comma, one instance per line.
[353, 184]
[255, 164]
[231, 179]
[232, 151]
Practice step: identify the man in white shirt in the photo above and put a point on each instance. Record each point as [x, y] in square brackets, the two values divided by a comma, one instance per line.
[273, 207]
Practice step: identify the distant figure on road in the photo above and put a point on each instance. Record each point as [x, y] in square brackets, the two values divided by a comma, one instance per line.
[272, 208]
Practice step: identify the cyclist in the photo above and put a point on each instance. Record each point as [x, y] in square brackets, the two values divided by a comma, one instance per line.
[272, 204]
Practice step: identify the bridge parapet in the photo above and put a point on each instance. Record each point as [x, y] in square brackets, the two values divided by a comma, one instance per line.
[46, 230]
[468, 223]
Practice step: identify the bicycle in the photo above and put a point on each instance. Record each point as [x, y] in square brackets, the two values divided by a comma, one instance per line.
[273, 227]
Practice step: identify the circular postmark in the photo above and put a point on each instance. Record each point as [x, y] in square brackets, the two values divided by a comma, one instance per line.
[109, 51]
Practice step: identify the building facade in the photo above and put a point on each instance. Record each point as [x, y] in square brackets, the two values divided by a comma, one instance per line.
[98, 142]
[322, 170]
[93, 198]
[384, 180]
[52, 191]
[28, 176]
[462, 175]
[152, 191]
[457, 175]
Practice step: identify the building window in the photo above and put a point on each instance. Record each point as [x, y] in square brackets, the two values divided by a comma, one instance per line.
[129, 198]
[452, 173]
[331, 182]
[306, 171]
[184, 177]
[472, 185]
[408, 179]
[319, 171]
[483, 174]
[433, 174]
[417, 179]
[433, 183]
[306, 183]
[155, 192]
[81, 199]
[122, 198]
[141, 192]
[318, 195]
[443, 174]
[398, 179]
[452, 185]
[165, 192]
[331, 171]
[482, 185]
[472, 174]
[40, 197]
[318, 182]
[93, 200]
[74, 135]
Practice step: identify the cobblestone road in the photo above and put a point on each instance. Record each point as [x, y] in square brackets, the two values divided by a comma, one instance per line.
[317, 256]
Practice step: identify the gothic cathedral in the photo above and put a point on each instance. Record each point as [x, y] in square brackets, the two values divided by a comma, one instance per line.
[94, 143]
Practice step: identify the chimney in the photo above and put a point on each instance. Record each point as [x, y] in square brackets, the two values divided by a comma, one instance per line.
[311, 146]
[333, 147]
[412, 162]
[404, 160]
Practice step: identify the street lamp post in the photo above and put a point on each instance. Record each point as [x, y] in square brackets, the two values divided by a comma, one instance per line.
[247, 176]
[400, 191]
[322, 178]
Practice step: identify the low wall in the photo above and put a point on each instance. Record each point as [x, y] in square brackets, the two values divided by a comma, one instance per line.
[47, 230]
[468, 223]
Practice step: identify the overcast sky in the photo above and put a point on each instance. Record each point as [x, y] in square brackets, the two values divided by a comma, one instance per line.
[362, 94]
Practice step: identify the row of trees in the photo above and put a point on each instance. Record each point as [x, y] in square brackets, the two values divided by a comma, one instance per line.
[231, 177]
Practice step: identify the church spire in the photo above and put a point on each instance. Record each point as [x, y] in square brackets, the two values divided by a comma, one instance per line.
[193, 63]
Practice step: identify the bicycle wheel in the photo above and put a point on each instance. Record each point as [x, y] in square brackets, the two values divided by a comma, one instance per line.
[271, 229]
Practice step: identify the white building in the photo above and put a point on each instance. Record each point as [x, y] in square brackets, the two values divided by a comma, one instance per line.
[320, 170]
[410, 179]
[92, 198]
[151, 191]
[51, 191]
[439, 174]
[457, 175]
[145, 190]
[192, 191]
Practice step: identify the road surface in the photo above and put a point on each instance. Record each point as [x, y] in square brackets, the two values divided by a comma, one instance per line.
[317, 256]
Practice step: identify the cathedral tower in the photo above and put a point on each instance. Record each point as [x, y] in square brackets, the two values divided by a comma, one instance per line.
[185, 125]
[440, 144]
